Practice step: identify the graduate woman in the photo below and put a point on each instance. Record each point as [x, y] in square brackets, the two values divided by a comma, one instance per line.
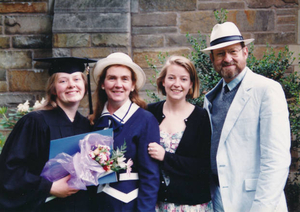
[119, 106]
[184, 150]
[26, 150]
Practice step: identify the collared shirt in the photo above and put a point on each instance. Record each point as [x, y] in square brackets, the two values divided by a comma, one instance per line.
[123, 113]
[231, 85]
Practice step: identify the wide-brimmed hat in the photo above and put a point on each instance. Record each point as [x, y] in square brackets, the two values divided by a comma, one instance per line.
[225, 34]
[119, 58]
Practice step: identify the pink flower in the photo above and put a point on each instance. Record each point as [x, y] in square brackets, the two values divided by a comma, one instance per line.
[103, 157]
[128, 165]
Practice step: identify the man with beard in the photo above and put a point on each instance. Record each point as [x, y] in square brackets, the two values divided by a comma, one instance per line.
[250, 147]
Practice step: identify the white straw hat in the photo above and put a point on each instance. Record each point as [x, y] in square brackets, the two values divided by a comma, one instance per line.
[225, 34]
[119, 58]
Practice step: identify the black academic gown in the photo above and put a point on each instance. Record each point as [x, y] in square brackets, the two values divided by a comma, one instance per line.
[24, 155]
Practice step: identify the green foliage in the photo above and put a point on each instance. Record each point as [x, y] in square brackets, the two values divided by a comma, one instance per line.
[2, 140]
[151, 63]
[271, 65]
[117, 154]
[9, 120]
[292, 191]
[221, 16]
[9, 117]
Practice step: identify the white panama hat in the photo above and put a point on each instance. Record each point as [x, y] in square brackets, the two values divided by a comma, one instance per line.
[225, 34]
[119, 58]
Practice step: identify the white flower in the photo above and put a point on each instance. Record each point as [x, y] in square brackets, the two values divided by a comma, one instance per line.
[24, 107]
[38, 104]
[120, 161]
[43, 100]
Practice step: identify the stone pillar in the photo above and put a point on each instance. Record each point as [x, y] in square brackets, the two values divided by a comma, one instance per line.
[93, 29]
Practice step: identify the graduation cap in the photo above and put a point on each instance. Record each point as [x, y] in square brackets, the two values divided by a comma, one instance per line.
[70, 65]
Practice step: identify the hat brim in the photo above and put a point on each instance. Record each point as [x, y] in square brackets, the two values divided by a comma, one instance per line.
[222, 45]
[103, 63]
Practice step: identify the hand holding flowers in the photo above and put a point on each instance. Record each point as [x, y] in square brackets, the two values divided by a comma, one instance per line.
[94, 161]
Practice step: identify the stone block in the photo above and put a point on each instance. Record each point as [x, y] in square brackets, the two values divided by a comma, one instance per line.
[2, 75]
[61, 52]
[270, 3]
[167, 5]
[134, 6]
[24, 24]
[253, 20]
[71, 40]
[12, 100]
[96, 53]
[260, 51]
[157, 19]
[27, 80]
[139, 56]
[289, 11]
[32, 42]
[3, 86]
[110, 39]
[275, 38]
[4, 42]
[192, 22]
[218, 5]
[177, 40]
[286, 19]
[15, 59]
[91, 22]
[24, 1]
[286, 28]
[153, 30]
[103, 6]
[30, 7]
[42, 53]
[147, 41]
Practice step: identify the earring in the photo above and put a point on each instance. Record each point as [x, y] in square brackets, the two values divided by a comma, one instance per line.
[102, 88]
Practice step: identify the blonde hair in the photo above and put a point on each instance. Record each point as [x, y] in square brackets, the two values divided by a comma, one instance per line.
[50, 99]
[187, 65]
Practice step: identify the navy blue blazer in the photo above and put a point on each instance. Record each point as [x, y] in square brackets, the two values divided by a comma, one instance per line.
[24, 155]
[189, 167]
[140, 130]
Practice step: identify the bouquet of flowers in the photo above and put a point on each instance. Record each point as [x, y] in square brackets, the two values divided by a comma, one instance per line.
[95, 160]
[111, 162]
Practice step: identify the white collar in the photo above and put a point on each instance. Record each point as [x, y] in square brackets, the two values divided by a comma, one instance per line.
[123, 113]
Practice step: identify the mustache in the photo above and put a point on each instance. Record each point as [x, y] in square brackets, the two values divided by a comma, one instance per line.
[224, 63]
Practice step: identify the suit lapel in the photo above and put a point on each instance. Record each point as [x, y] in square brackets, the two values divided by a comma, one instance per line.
[238, 104]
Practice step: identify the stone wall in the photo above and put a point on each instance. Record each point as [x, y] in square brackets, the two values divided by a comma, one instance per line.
[26, 33]
[140, 28]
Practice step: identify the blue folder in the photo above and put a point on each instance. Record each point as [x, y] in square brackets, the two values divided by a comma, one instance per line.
[70, 145]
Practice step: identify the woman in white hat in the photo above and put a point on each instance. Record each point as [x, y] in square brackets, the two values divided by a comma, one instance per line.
[119, 106]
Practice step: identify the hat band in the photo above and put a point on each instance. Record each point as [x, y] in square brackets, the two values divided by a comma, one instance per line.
[226, 39]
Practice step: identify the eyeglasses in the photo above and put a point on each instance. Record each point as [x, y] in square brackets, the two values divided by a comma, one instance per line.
[231, 52]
